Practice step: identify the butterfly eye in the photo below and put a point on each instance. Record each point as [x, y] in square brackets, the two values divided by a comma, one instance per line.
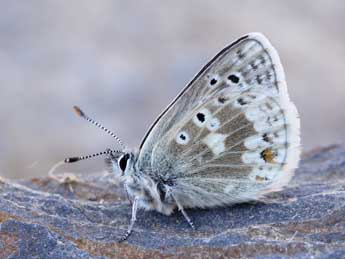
[123, 162]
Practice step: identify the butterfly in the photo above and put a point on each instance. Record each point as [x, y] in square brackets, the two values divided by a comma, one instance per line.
[232, 135]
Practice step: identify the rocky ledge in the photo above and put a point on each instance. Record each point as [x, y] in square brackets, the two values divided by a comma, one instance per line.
[84, 218]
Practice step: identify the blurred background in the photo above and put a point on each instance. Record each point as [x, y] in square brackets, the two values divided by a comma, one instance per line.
[124, 61]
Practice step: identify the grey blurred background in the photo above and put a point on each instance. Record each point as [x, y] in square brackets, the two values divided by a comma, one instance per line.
[124, 61]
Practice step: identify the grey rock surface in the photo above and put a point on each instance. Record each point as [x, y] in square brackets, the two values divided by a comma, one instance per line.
[84, 218]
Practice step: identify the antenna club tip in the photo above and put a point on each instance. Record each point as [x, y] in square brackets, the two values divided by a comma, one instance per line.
[72, 159]
[78, 111]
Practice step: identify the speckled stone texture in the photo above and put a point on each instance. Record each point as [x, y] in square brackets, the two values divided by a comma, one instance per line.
[43, 218]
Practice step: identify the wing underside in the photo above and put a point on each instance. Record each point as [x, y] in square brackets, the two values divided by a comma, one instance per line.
[232, 135]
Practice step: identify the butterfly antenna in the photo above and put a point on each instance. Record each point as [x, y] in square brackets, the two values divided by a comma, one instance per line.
[84, 116]
[78, 158]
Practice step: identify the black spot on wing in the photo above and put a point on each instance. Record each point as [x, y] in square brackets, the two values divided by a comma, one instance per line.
[241, 101]
[213, 81]
[222, 99]
[201, 117]
[265, 137]
[234, 79]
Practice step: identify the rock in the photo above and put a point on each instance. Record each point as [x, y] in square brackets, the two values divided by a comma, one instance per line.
[43, 218]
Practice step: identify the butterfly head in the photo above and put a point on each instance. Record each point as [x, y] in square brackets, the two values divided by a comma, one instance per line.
[126, 162]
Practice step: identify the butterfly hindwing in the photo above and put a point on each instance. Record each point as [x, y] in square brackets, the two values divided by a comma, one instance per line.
[232, 134]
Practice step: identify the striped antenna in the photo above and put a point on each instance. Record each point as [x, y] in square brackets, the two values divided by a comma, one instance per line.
[83, 115]
[78, 158]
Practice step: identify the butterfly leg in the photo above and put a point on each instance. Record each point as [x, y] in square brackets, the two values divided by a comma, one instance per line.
[127, 193]
[133, 219]
[184, 213]
[190, 222]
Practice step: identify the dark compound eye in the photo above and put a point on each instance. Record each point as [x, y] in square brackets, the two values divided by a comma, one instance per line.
[123, 162]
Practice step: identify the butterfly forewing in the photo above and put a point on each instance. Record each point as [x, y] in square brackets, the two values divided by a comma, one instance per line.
[232, 134]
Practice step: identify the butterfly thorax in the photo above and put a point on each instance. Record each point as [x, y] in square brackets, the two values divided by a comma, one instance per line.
[152, 193]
